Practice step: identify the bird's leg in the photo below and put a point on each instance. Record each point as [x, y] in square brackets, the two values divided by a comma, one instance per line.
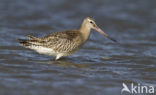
[58, 56]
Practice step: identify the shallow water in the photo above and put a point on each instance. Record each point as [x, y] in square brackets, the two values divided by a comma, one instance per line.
[99, 68]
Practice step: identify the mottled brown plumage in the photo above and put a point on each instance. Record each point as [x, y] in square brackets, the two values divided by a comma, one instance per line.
[62, 43]
[69, 42]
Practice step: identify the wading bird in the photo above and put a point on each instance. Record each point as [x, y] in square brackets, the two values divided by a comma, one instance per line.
[63, 43]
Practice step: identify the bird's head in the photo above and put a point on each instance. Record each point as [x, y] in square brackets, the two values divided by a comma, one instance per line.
[90, 24]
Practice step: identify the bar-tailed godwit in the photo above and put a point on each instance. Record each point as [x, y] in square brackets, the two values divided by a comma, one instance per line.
[63, 43]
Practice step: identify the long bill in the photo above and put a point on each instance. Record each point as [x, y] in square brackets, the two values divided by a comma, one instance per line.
[102, 32]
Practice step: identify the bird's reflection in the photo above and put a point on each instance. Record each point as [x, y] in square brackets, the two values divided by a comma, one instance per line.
[64, 62]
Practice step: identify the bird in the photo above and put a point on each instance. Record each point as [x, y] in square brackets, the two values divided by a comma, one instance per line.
[63, 43]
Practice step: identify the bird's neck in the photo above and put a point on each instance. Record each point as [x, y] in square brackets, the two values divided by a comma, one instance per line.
[85, 31]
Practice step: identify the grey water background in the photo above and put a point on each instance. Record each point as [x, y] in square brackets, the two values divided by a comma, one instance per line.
[99, 68]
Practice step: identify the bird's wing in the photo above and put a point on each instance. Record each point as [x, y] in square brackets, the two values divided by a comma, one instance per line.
[63, 41]
[67, 35]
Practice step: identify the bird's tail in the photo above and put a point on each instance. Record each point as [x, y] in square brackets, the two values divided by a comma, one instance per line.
[32, 41]
[25, 43]
[32, 37]
[28, 43]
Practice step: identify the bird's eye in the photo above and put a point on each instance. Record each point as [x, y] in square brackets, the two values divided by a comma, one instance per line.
[91, 22]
